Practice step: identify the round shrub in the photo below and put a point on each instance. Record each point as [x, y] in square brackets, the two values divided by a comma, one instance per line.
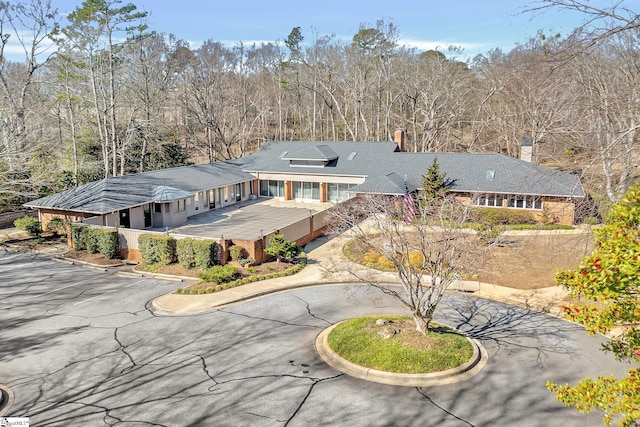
[29, 224]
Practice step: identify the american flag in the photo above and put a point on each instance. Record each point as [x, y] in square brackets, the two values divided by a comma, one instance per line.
[408, 206]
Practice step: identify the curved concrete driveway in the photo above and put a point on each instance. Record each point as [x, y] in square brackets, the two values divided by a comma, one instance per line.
[91, 354]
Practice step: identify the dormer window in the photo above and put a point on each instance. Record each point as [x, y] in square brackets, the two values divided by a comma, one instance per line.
[307, 163]
[317, 156]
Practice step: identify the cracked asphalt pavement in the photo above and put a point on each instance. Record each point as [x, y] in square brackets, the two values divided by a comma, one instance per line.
[80, 347]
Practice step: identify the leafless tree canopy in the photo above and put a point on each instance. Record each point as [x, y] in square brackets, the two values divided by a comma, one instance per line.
[113, 97]
[428, 254]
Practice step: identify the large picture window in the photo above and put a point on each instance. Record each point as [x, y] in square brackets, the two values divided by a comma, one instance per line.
[271, 188]
[339, 192]
[513, 201]
[525, 202]
[306, 191]
[488, 200]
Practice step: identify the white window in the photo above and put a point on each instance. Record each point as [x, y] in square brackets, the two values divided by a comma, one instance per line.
[488, 200]
[339, 192]
[309, 191]
[271, 188]
[307, 163]
[525, 202]
[181, 205]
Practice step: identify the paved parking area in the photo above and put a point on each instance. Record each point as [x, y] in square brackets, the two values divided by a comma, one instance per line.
[249, 220]
[79, 347]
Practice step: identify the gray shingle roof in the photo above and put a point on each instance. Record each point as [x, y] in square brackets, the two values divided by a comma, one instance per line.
[316, 152]
[373, 160]
[391, 183]
[112, 194]
[164, 193]
[489, 173]
[384, 169]
[368, 155]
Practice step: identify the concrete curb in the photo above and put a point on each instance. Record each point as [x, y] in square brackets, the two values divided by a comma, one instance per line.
[164, 276]
[6, 399]
[463, 372]
[158, 308]
[72, 261]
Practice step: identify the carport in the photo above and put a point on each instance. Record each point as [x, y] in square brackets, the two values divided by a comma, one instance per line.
[251, 220]
[250, 224]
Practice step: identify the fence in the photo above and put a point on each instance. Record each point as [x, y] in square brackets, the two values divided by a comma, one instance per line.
[7, 218]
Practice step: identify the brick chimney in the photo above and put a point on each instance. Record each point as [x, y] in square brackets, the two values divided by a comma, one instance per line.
[398, 138]
[526, 149]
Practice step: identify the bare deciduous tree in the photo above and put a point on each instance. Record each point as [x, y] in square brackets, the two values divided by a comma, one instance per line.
[31, 23]
[600, 22]
[428, 254]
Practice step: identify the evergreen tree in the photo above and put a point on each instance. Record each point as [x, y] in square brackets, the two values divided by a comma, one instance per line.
[435, 183]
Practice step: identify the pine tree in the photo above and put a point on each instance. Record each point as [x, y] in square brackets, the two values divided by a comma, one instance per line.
[435, 183]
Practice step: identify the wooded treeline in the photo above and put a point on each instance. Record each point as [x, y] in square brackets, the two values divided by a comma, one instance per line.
[114, 97]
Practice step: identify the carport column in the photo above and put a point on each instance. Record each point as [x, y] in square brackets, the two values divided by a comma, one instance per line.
[287, 190]
[323, 192]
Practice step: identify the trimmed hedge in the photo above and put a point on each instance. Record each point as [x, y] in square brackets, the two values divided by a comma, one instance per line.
[76, 237]
[29, 224]
[96, 240]
[108, 242]
[195, 253]
[89, 239]
[157, 249]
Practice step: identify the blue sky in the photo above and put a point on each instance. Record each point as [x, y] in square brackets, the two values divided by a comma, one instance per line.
[475, 25]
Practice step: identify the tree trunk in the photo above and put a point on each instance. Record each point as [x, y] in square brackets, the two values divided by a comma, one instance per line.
[422, 322]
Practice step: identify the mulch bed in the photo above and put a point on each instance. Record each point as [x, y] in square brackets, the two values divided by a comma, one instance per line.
[97, 259]
[35, 244]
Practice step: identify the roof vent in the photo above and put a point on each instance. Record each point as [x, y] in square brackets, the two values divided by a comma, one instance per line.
[352, 155]
[491, 175]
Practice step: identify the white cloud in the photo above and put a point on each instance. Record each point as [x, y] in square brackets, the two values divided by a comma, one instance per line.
[14, 51]
[439, 45]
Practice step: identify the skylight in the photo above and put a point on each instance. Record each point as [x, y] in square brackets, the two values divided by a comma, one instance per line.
[352, 155]
[284, 153]
[491, 175]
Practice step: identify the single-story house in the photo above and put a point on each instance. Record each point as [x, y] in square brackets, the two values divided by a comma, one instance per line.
[312, 172]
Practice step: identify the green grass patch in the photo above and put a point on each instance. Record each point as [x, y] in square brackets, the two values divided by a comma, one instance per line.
[408, 351]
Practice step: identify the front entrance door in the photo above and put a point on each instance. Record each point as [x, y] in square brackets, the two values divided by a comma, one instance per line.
[125, 220]
[147, 215]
